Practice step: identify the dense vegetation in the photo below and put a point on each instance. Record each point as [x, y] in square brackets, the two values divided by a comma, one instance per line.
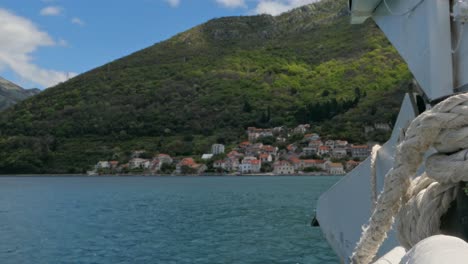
[207, 85]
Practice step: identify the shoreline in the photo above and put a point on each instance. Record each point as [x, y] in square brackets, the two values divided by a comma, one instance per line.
[162, 175]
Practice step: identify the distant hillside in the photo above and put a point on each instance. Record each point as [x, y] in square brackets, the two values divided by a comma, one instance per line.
[208, 84]
[11, 94]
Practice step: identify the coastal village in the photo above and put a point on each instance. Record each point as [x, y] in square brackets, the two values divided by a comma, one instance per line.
[309, 154]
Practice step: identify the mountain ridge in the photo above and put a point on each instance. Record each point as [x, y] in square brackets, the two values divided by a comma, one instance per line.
[11, 93]
[208, 84]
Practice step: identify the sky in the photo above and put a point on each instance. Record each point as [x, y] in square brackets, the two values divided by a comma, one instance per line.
[45, 42]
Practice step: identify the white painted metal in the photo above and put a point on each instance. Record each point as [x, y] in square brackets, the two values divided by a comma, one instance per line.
[438, 249]
[423, 39]
[344, 208]
[425, 35]
[392, 257]
[460, 58]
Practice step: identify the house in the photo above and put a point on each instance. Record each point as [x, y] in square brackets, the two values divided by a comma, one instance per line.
[283, 167]
[137, 153]
[190, 163]
[103, 165]
[339, 152]
[207, 156]
[312, 163]
[291, 148]
[308, 151]
[265, 157]
[220, 164]
[250, 165]
[351, 164]
[165, 159]
[232, 164]
[235, 154]
[217, 149]
[315, 144]
[323, 150]
[137, 163]
[113, 164]
[311, 137]
[254, 149]
[335, 168]
[296, 163]
[155, 165]
[360, 151]
[301, 129]
[341, 143]
[267, 149]
[256, 133]
[330, 143]
[244, 145]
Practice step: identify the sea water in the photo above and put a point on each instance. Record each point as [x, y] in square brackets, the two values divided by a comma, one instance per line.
[161, 220]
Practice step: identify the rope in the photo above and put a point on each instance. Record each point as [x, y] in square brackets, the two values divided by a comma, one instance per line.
[374, 155]
[427, 197]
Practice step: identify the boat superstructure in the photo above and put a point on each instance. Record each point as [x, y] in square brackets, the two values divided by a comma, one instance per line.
[431, 37]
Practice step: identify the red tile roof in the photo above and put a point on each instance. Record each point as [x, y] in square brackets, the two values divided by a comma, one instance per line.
[254, 162]
[312, 161]
[188, 162]
[295, 160]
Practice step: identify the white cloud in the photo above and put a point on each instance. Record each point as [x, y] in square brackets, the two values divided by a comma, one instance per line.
[232, 3]
[77, 21]
[51, 11]
[276, 7]
[173, 3]
[19, 38]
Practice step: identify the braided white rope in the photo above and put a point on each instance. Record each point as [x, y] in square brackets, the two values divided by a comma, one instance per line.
[442, 127]
[373, 167]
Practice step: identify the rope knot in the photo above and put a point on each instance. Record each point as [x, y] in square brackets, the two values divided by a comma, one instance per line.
[419, 202]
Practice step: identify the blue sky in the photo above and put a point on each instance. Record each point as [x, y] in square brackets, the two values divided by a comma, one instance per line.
[43, 42]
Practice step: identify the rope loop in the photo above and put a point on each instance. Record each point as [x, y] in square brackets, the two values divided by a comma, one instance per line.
[419, 202]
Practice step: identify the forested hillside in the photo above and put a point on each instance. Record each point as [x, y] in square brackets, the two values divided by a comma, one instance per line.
[207, 85]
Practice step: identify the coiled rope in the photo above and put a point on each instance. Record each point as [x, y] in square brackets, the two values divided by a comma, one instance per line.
[424, 199]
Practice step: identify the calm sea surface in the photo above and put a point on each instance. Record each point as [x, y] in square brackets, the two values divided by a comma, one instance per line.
[161, 220]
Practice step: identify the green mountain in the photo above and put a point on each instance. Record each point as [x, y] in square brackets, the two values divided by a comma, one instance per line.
[11, 94]
[207, 85]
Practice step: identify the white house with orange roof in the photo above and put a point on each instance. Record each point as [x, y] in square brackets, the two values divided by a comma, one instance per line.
[335, 168]
[268, 149]
[250, 165]
[265, 157]
[164, 158]
[324, 150]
